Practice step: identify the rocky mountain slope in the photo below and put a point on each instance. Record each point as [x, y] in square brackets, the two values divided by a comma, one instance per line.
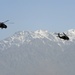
[37, 53]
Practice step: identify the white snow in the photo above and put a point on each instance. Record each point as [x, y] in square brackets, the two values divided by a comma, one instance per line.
[71, 34]
[26, 36]
[40, 34]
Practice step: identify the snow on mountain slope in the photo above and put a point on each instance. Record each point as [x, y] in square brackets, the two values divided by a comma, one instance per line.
[71, 34]
[37, 53]
[24, 36]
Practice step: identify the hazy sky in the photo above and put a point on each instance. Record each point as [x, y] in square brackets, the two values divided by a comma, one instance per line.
[51, 15]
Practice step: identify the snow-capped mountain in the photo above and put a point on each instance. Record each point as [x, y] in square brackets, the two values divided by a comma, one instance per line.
[37, 53]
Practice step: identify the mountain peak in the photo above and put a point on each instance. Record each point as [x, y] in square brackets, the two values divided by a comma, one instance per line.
[71, 31]
[40, 34]
[41, 31]
[71, 34]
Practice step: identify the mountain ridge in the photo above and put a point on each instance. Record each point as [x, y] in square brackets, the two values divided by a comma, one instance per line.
[37, 53]
[21, 37]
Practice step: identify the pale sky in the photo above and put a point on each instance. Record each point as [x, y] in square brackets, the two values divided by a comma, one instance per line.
[31, 15]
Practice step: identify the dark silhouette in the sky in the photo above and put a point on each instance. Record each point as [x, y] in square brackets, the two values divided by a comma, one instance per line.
[3, 25]
[64, 36]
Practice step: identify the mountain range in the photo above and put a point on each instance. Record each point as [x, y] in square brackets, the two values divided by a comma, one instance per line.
[37, 53]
